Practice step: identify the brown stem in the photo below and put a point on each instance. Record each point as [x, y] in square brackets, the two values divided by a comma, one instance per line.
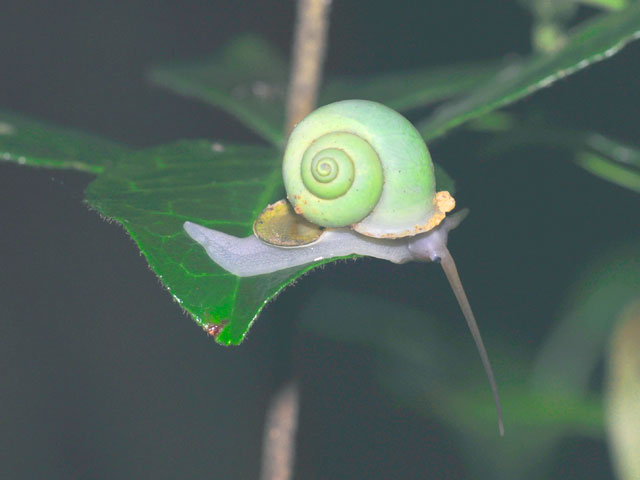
[280, 435]
[309, 47]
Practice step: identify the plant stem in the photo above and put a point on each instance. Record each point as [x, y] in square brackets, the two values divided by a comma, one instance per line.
[279, 435]
[309, 47]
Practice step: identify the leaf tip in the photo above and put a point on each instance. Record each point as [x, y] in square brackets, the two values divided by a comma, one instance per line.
[214, 329]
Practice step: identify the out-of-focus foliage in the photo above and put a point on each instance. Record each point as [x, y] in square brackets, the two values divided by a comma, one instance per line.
[28, 142]
[604, 157]
[608, 170]
[552, 17]
[434, 369]
[424, 365]
[573, 349]
[593, 41]
[248, 79]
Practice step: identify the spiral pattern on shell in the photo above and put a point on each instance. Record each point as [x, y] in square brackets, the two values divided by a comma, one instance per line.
[341, 180]
[358, 163]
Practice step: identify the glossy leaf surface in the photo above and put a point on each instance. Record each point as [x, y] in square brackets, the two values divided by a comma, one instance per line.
[591, 42]
[29, 142]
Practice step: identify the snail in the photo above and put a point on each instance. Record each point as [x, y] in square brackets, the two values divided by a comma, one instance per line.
[359, 180]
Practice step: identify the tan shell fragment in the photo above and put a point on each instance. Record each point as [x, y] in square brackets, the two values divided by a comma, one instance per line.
[443, 203]
[279, 225]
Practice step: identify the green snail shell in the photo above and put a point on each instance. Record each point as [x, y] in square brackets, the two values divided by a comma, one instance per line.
[358, 163]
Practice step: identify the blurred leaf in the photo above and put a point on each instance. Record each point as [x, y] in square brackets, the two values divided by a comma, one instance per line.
[552, 17]
[612, 161]
[440, 365]
[155, 191]
[536, 424]
[571, 353]
[606, 4]
[548, 10]
[404, 91]
[494, 122]
[604, 157]
[535, 421]
[623, 394]
[425, 365]
[607, 170]
[591, 42]
[623, 154]
[533, 410]
[247, 78]
[36, 144]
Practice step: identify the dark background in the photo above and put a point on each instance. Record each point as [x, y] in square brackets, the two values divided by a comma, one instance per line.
[104, 377]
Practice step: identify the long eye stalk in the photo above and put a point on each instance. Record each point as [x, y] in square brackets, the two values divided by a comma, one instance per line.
[450, 270]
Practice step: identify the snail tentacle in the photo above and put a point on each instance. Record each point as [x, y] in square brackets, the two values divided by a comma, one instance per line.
[434, 247]
[451, 272]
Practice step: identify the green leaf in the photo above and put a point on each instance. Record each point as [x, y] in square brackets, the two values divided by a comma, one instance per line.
[36, 144]
[153, 192]
[404, 91]
[593, 41]
[247, 79]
